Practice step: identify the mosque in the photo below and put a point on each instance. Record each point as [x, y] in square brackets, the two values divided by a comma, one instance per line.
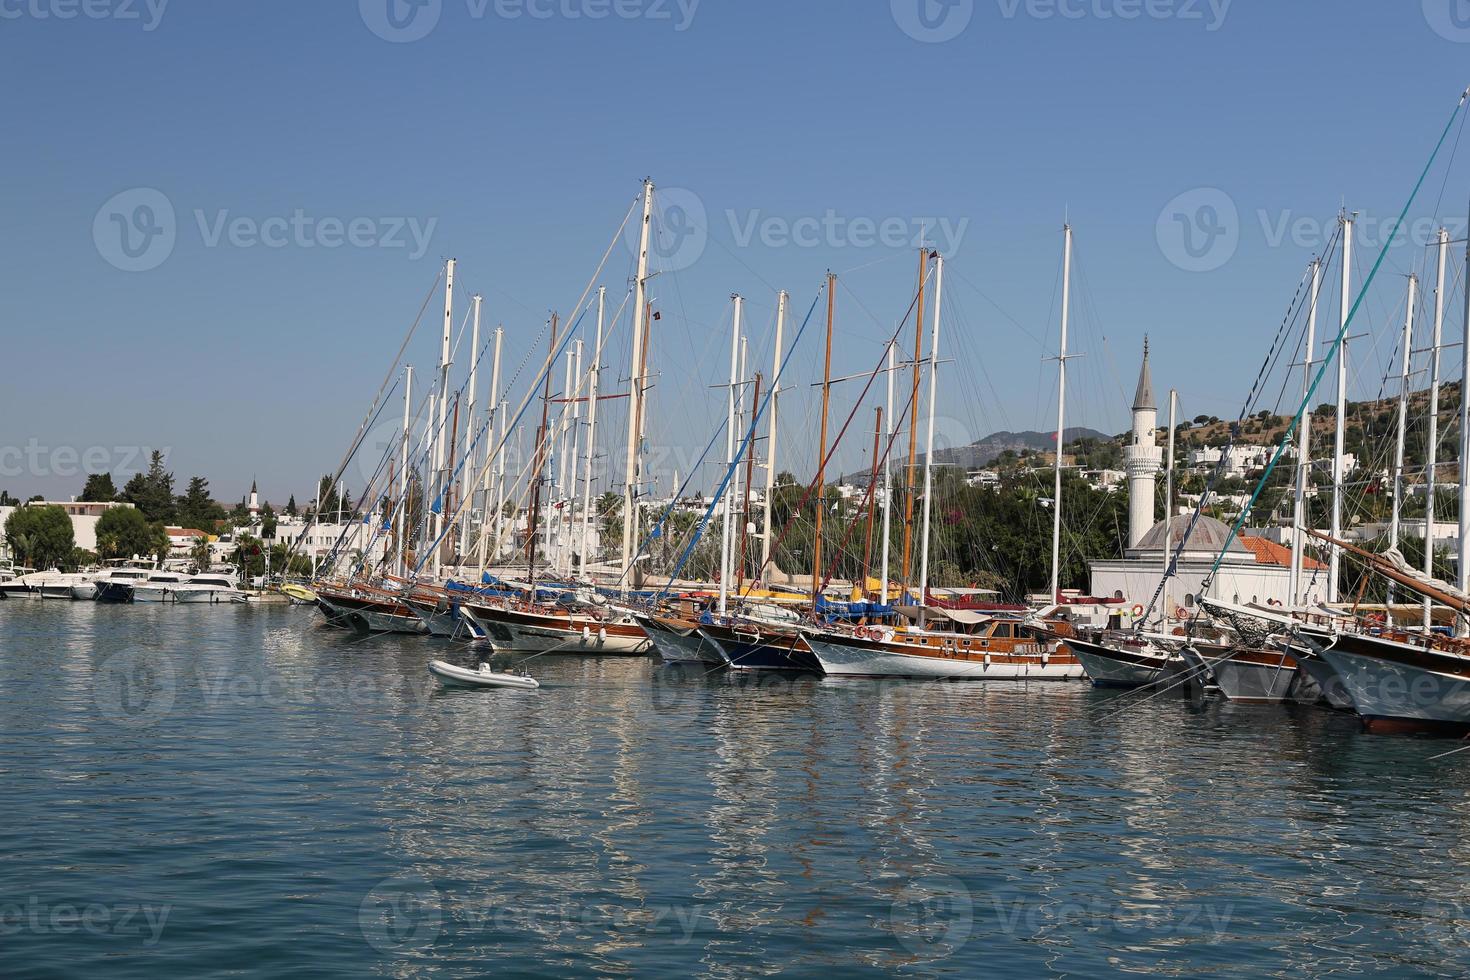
[1253, 569]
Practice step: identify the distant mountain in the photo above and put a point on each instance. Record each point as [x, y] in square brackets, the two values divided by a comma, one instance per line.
[980, 454]
[987, 450]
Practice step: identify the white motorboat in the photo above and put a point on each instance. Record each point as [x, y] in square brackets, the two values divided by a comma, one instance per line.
[159, 587]
[463, 677]
[58, 585]
[116, 584]
[210, 587]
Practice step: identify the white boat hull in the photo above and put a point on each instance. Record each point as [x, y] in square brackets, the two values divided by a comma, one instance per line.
[84, 591]
[1387, 691]
[209, 595]
[843, 660]
[152, 593]
[552, 639]
[462, 677]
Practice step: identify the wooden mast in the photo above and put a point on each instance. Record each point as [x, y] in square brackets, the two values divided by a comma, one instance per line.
[822, 443]
[531, 527]
[872, 485]
[913, 412]
[755, 400]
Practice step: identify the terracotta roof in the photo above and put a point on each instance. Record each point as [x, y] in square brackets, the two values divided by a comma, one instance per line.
[175, 532]
[1271, 553]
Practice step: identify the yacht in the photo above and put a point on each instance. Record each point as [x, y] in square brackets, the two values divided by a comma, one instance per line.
[112, 584]
[159, 587]
[210, 587]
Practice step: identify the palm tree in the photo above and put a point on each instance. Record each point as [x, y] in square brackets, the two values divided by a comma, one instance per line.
[200, 553]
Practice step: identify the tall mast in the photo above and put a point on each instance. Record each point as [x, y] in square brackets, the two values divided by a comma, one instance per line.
[569, 491]
[534, 519]
[887, 468]
[1169, 505]
[436, 480]
[403, 475]
[1304, 444]
[1431, 461]
[1464, 550]
[913, 416]
[635, 392]
[1403, 420]
[872, 497]
[1334, 553]
[929, 436]
[766, 535]
[593, 377]
[466, 491]
[755, 400]
[1056, 503]
[491, 415]
[725, 529]
[560, 454]
[822, 445]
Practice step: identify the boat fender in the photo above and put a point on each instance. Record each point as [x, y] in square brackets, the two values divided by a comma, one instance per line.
[1045, 656]
[602, 635]
[987, 659]
[586, 633]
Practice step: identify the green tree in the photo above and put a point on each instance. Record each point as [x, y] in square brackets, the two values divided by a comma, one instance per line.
[197, 509]
[41, 536]
[99, 488]
[6, 500]
[152, 492]
[123, 532]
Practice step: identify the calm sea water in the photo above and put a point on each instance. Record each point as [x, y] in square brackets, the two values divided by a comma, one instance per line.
[192, 791]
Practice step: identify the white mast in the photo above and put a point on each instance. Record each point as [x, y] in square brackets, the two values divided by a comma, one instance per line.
[569, 492]
[887, 471]
[491, 415]
[766, 536]
[559, 442]
[503, 415]
[466, 491]
[1431, 461]
[727, 526]
[1169, 506]
[929, 435]
[593, 377]
[441, 438]
[1056, 504]
[635, 393]
[1464, 550]
[1334, 555]
[1402, 435]
[403, 475]
[1304, 443]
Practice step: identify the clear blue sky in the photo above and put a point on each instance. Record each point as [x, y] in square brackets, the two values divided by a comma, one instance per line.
[523, 138]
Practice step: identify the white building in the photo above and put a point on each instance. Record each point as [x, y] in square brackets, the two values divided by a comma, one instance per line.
[1239, 460]
[84, 516]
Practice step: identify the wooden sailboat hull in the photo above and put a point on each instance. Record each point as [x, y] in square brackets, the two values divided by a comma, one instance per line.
[855, 657]
[677, 643]
[1252, 676]
[535, 632]
[1110, 667]
[1399, 688]
[368, 615]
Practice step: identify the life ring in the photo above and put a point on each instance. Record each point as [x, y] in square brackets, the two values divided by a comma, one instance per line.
[1137, 610]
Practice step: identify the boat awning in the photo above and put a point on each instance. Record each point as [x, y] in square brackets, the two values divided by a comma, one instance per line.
[967, 617]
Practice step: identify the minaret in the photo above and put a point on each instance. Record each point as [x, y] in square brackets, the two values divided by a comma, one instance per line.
[254, 505]
[1142, 458]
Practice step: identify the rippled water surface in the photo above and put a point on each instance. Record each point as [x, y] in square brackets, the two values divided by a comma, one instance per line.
[192, 791]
